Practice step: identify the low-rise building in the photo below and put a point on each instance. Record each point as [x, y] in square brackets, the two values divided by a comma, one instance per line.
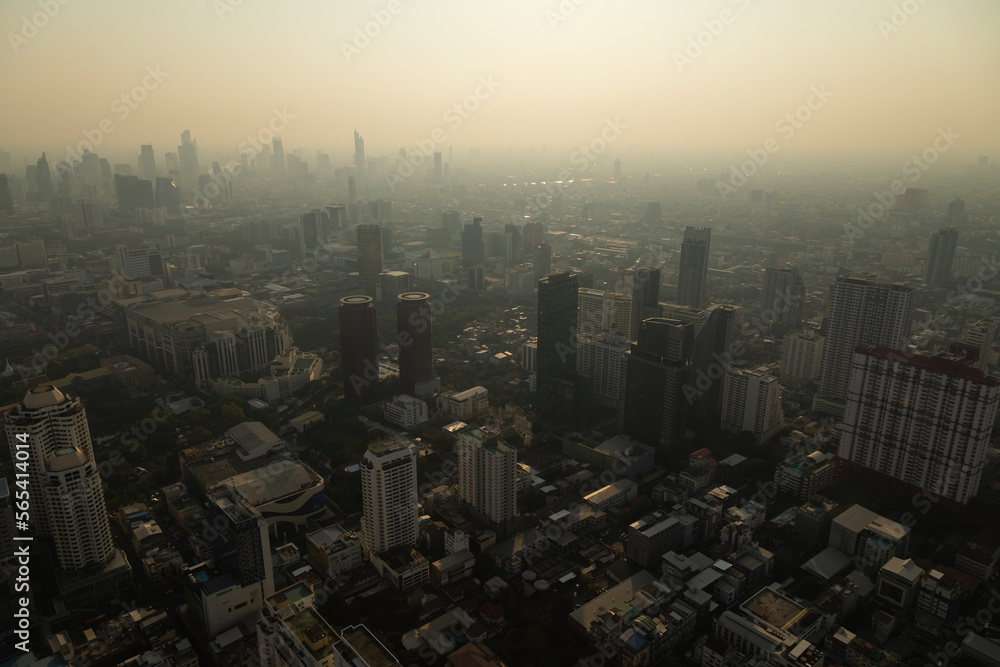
[462, 404]
[333, 551]
[452, 568]
[805, 475]
[405, 411]
[613, 495]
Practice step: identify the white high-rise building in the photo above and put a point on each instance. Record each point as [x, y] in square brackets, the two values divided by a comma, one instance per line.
[389, 497]
[862, 312]
[751, 401]
[926, 421]
[601, 312]
[138, 260]
[801, 357]
[603, 360]
[48, 431]
[487, 476]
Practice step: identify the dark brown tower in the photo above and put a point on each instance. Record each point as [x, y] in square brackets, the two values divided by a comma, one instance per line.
[359, 348]
[413, 322]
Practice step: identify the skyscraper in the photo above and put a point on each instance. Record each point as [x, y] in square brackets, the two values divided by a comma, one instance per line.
[6, 197]
[278, 169]
[863, 311]
[147, 163]
[452, 221]
[413, 324]
[542, 260]
[751, 401]
[692, 280]
[602, 361]
[657, 370]
[167, 195]
[370, 258]
[557, 320]
[941, 256]
[438, 173]
[801, 357]
[643, 285]
[926, 421]
[783, 297]
[981, 337]
[43, 178]
[360, 164]
[956, 212]
[513, 239]
[473, 250]
[68, 498]
[133, 193]
[618, 169]
[390, 514]
[359, 348]
[487, 477]
[602, 312]
[187, 152]
[138, 260]
[532, 235]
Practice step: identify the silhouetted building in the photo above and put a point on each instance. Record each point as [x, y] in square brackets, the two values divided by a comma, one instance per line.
[643, 285]
[168, 196]
[359, 348]
[657, 371]
[543, 260]
[476, 278]
[473, 250]
[43, 178]
[133, 193]
[941, 255]
[452, 221]
[782, 299]
[370, 258]
[557, 319]
[413, 324]
[6, 198]
[692, 280]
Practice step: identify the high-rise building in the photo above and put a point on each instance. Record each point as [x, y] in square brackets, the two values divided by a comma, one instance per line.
[167, 195]
[801, 357]
[618, 169]
[413, 324]
[643, 285]
[390, 514]
[187, 152]
[476, 278]
[6, 196]
[133, 193]
[714, 333]
[359, 158]
[512, 234]
[557, 320]
[138, 260]
[43, 178]
[941, 256]
[692, 280]
[452, 221]
[278, 167]
[981, 336]
[956, 212]
[926, 421]
[542, 260]
[751, 401]
[473, 248]
[863, 311]
[438, 172]
[602, 312]
[657, 371]
[487, 477]
[782, 300]
[602, 360]
[370, 258]
[147, 163]
[532, 236]
[68, 498]
[338, 217]
[359, 348]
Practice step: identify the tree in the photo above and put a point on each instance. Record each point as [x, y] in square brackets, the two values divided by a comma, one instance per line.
[198, 435]
[231, 415]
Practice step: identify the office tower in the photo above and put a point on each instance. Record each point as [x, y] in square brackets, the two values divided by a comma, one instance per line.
[913, 201]
[657, 371]
[133, 193]
[532, 236]
[413, 324]
[452, 221]
[602, 360]
[359, 348]
[277, 158]
[437, 166]
[43, 178]
[941, 256]
[751, 401]
[801, 358]
[138, 260]
[473, 249]
[67, 499]
[618, 169]
[221, 180]
[147, 163]
[692, 280]
[315, 227]
[714, 335]
[91, 216]
[956, 212]
[187, 153]
[542, 260]
[487, 477]
[6, 197]
[380, 209]
[119, 168]
[981, 336]
[31, 254]
[602, 312]
[370, 258]
[556, 384]
[476, 278]
[782, 300]
[653, 214]
[338, 217]
[390, 514]
[167, 195]
[513, 243]
[862, 312]
[926, 421]
[359, 157]
[643, 285]
[392, 283]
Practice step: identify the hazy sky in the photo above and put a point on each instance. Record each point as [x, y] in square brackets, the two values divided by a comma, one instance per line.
[559, 79]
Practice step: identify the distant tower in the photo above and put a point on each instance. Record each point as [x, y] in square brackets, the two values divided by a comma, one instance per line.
[657, 371]
[438, 173]
[557, 320]
[278, 166]
[413, 323]
[618, 169]
[452, 221]
[542, 260]
[692, 281]
[188, 154]
[370, 258]
[360, 164]
[147, 163]
[643, 285]
[473, 250]
[941, 255]
[68, 499]
[43, 178]
[783, 297]
[359, 348]
[390, 515]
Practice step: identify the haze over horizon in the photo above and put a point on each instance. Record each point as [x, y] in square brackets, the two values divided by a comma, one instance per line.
[560, 75]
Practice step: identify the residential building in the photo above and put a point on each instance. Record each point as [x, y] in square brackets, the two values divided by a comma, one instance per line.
[801, 358]
[405, 411]
[487, 477]
[751, 401]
